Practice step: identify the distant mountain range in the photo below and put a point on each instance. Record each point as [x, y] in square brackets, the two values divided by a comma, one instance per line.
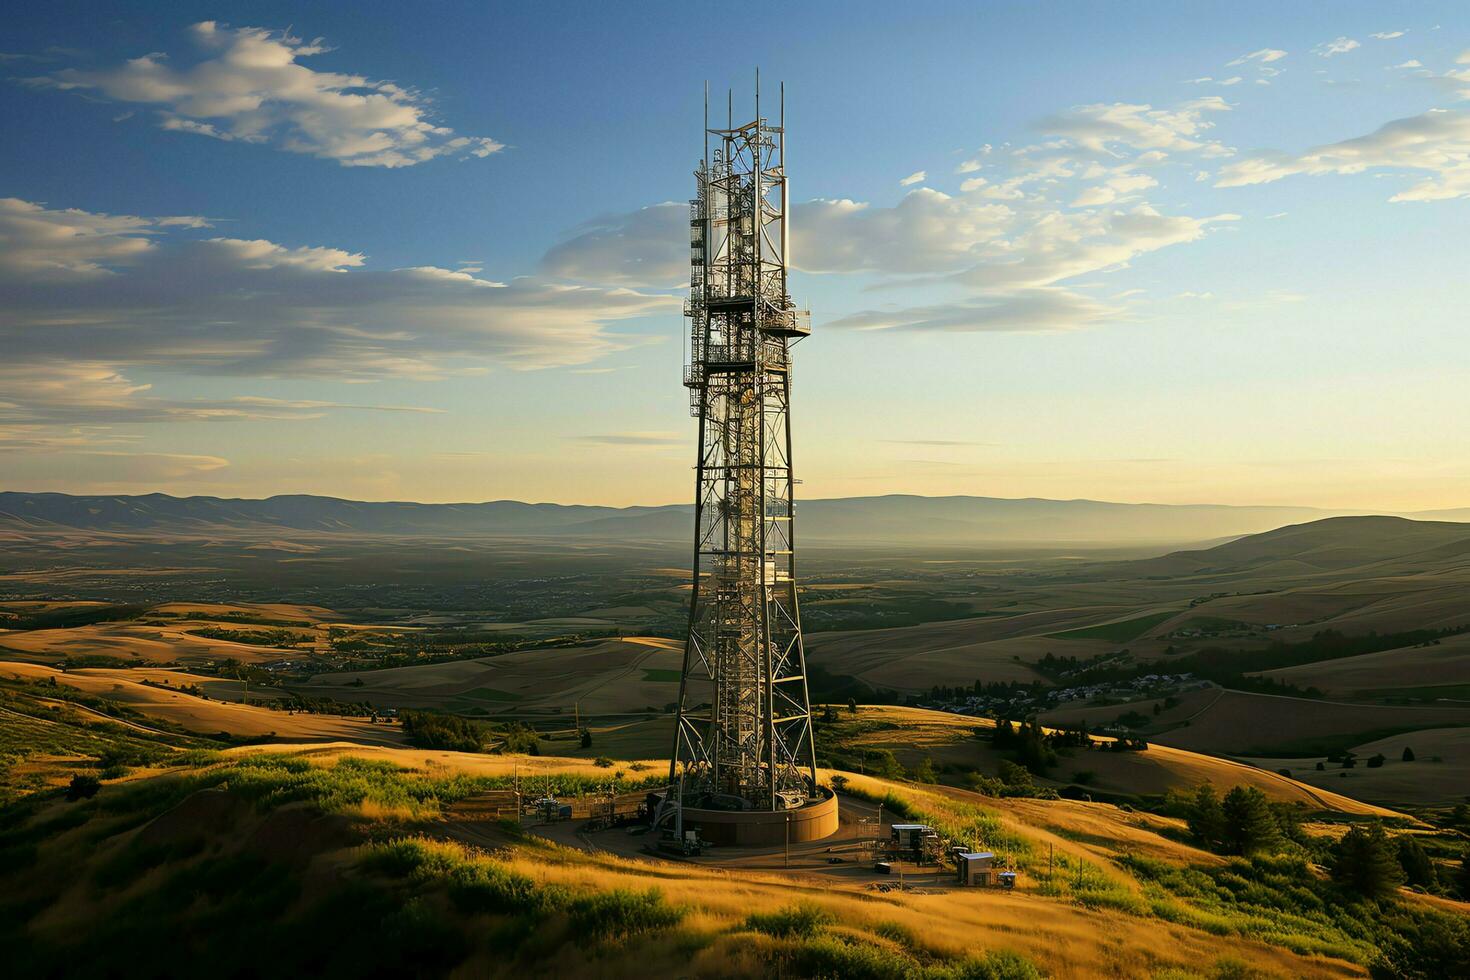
[893, 520]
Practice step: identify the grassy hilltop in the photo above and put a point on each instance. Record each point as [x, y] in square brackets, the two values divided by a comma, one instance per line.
[340, 859]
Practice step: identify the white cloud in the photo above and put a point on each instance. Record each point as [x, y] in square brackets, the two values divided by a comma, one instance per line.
[251, 87]
[1232, 80]
[256, 308]
[917, 177]
[968, 166]
[1341, 45]
[1411, 63]
[1436, 142]
[1387, 35]
[1263, 56]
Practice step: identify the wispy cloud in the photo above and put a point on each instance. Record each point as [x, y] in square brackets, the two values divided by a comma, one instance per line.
[1264, 56]
[634, 439]
[1341, 45]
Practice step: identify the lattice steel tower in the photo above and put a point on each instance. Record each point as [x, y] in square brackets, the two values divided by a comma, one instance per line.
[744, 733]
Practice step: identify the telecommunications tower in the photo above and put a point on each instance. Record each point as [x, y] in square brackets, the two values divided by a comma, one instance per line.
[743, 739]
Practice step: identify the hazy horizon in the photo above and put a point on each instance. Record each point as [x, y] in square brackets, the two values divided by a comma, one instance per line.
[1280, 505]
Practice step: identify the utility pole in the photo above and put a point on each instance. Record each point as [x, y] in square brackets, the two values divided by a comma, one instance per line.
[788, 840]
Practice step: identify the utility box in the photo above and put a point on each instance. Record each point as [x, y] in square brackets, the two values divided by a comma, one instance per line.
[974, 870]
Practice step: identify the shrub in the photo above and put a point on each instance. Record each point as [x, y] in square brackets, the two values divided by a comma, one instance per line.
[802, 919]
[620, 912]
[83, 787]
[1417, 865]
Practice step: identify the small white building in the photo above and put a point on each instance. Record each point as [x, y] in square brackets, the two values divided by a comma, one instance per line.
[974, 869]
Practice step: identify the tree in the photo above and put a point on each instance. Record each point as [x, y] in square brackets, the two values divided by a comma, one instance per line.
[586, 738]
[1417, 865]
[1462, 877]
[925, 771]
[852, 706]
[1377, 760]
[1250, 825]
[1408, 755]
[1206, 819]
[1364, 862]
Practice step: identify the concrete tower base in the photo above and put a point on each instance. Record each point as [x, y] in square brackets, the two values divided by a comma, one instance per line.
[765, 828]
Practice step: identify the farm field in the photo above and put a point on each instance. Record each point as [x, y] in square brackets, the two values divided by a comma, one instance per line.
[1226, 722]
[1438, 775]
[1417, 670]
[604, 677]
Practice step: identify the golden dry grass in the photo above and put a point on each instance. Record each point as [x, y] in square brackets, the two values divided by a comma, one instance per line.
[206, 717]
[1064, 939]
[162, 644]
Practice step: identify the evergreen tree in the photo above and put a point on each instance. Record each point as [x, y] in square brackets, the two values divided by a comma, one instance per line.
[1250, 825]
[586, 738]
[1364, 861]
[1206, 819]
[1417, 865]
[1408, 755]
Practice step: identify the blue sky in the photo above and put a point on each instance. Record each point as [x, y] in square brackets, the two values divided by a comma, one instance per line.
[1180, 253]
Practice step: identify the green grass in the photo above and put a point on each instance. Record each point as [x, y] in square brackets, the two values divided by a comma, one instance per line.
[490, 694]
[662, 675]
[1456, 692]
[1119, 632]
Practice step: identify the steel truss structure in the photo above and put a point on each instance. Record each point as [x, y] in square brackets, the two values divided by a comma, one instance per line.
[744, 735]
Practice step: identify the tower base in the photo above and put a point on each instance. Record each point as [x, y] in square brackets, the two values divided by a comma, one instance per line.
[765, 828]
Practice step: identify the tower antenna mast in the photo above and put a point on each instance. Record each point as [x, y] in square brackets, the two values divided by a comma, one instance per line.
[743, 738]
